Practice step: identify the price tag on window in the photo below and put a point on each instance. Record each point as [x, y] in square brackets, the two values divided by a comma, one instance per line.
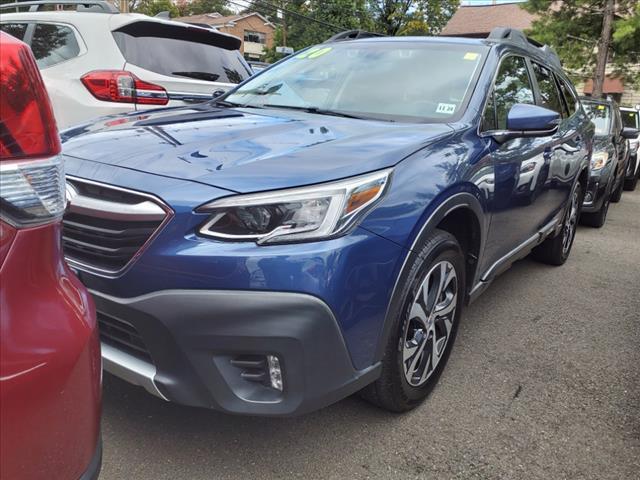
[446, 108]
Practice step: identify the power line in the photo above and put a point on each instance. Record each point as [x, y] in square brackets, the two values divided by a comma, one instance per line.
[263, 3]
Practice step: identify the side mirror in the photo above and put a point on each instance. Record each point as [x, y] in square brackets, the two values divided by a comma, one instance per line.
[630, 133]
[525, 120]
[218, 93]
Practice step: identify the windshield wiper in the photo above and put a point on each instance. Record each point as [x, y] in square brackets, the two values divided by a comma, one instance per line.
[225, 103]
[320, 111]
[209, 77]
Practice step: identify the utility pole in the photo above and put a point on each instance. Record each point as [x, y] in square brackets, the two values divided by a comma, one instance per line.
[603, 48]
[284, 24]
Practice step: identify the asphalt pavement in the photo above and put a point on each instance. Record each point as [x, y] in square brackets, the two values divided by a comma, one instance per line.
[543, 382]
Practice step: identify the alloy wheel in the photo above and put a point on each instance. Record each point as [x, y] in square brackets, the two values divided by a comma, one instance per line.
[569, 229]
[428, 329]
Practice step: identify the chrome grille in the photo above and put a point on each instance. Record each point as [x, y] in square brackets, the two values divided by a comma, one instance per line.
[106, 227]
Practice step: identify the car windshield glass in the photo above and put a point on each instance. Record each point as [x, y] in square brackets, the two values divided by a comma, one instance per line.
[630, 118]
[397, 81]
[600, 116]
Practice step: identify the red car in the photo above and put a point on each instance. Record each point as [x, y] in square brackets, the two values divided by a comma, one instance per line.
[50, 368]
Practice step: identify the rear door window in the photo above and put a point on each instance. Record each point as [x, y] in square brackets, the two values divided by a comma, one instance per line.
[569, 97]
[182, 52]
[549, 95]
[53, 44]
[17, 30]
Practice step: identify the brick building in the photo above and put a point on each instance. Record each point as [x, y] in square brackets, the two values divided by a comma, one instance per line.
[255, 31]
[478, 21]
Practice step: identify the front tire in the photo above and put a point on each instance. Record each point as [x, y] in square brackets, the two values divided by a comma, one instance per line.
[630, 184]
[556, 250]
[424, 328]
[617, 194]
[597, 219]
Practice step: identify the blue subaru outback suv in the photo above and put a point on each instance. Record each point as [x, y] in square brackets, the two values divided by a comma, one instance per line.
[318, 230]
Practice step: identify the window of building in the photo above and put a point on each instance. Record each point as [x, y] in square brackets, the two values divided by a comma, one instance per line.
[255, 37]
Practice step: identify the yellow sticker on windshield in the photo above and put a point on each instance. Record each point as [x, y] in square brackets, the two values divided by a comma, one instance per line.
[600, 107]
[470, 56]
[306, 53]
[320, 52]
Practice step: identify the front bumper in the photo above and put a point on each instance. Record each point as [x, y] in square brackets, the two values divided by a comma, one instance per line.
[95, 465]
[597, 190]
[192, 337]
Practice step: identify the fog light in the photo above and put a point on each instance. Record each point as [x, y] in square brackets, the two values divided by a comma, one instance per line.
[588, 198]
[275, 373]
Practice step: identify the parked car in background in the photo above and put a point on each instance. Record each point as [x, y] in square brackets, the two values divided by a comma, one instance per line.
[96, 61]
[631, 119]
[608, 163]
[50, 366]
[315, 232]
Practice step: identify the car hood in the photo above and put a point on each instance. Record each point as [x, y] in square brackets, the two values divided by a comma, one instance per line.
[246, 150]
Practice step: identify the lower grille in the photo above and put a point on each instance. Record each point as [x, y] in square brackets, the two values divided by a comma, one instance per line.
[105, 227]
[123, 336]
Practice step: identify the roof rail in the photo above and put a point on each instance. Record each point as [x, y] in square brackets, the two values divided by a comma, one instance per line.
[81, 5]
[517, 36]
[352, 35]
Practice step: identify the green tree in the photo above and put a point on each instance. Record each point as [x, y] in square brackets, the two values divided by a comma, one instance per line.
[200, 7]
[308, 22]
[412, 17]
[153, 7]
[589, 33]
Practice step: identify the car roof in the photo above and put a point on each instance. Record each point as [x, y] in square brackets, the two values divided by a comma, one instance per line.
[500, 36]
[421, 39]
[85, 19]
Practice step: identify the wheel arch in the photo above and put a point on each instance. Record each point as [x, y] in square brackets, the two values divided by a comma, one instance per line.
[460, 214]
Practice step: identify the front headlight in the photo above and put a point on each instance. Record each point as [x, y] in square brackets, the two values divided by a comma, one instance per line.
[599, 160]
[295, 215]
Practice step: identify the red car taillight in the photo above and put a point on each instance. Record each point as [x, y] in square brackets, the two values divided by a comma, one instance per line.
[124, 87]
[31, 171]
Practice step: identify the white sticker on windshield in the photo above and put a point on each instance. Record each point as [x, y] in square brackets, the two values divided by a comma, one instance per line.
[447, 108]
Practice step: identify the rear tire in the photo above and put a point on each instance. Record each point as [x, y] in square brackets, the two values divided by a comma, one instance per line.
[555, 250]
[424, 328]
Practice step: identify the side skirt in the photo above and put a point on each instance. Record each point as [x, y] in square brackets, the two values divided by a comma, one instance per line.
[521, 251]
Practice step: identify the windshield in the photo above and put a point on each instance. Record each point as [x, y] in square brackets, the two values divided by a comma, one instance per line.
[630, 118]
[600, 116]
[397, 81]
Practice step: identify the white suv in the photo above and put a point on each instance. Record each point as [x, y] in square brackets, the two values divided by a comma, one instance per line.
[96, 61]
